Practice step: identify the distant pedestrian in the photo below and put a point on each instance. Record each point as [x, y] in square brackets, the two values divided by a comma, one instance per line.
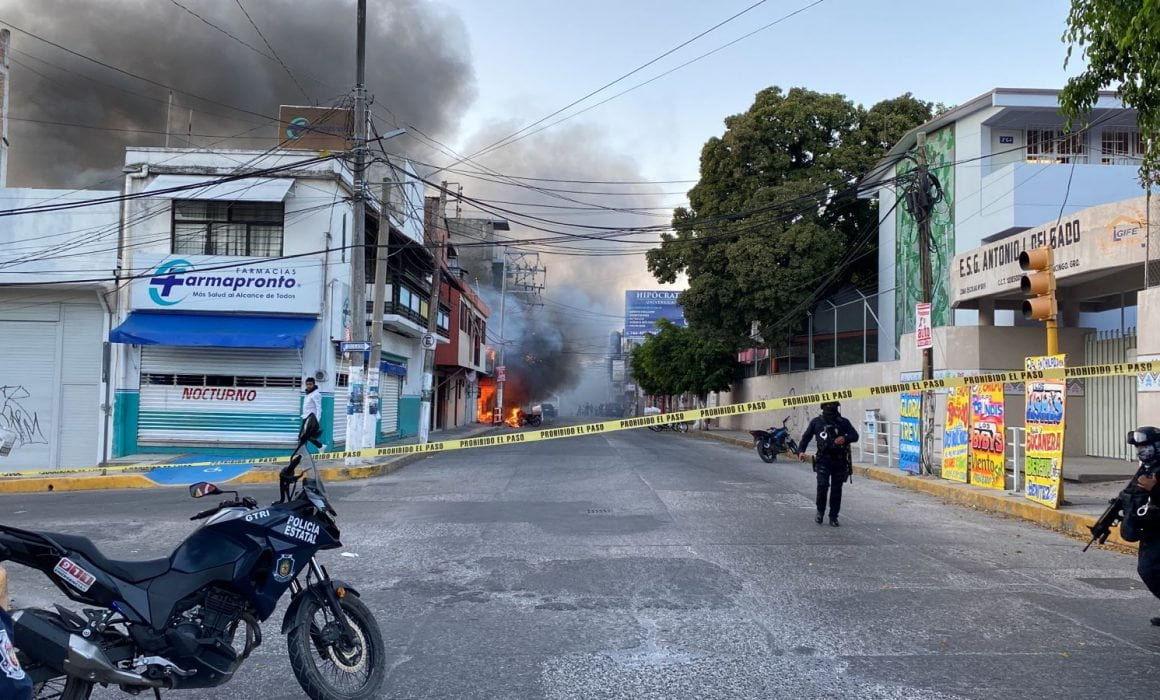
[312, 404]
[832, 463]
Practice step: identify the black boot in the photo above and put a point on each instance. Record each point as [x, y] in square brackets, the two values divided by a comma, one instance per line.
[833, 521]
[818, 518]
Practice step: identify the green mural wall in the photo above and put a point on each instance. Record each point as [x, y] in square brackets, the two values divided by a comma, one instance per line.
[940, 153]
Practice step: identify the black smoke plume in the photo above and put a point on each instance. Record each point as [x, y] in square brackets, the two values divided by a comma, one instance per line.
[418, 73]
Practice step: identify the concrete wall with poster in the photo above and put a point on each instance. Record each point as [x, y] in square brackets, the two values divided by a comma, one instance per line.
[940, 147]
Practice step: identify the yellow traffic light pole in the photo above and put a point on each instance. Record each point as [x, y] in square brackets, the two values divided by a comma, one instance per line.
[1040, 282]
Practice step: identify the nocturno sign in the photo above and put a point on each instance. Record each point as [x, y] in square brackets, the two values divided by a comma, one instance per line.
[214, 283]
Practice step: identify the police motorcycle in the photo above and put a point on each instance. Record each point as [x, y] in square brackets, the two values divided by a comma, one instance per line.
[773, 442]
[189, 620]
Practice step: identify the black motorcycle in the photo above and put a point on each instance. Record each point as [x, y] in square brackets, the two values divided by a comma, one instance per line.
[188, 621]
[773, 442]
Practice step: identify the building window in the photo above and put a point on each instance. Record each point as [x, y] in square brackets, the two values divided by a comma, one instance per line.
[1121, 147]
[442, 322]
[210, 227]
[1055, 146]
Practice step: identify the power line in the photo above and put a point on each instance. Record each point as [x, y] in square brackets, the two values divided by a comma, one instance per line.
[622, 77]
[520, 137]
[272, 51]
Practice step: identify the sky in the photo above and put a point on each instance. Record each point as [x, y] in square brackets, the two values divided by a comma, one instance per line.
[532, 57]
[460, 76]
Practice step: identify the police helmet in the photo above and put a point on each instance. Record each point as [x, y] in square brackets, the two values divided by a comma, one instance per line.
[1146, 440]
[830, 406]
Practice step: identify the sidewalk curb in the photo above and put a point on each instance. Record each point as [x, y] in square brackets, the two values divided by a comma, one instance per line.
[105, 482]
[3, 588]
[1071, 524]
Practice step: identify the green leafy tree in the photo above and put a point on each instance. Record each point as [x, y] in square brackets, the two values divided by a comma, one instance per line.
[772, 214]
[679, 360]
[1121, 42]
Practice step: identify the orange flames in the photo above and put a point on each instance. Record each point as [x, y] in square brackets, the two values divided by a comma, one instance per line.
[485, 411]
[513, 417]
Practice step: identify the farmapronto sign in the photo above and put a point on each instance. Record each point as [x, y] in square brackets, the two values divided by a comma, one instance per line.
[209, 283]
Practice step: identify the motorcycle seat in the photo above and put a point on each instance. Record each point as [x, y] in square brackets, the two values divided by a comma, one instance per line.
[129, 571]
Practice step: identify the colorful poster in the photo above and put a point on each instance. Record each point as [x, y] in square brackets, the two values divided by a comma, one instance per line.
[923, 333]
[910, 433]
[956, 438]
[988, 436]
[1044, 421]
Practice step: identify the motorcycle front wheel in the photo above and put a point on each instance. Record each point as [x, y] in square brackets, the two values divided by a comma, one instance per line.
[63, 688]
[766, 452]
[326, 668]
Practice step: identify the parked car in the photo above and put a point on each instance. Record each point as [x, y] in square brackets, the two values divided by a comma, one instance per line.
[548, 410]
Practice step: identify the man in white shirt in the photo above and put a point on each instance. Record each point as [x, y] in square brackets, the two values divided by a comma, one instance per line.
[312, 402]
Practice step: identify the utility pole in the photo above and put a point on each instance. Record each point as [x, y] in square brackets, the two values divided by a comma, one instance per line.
[502, 343]
[428, 398]
[356, 435]
[922, 213]
[371, 396]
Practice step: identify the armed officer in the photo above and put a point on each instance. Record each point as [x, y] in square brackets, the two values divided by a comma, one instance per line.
[1141, 513]
[832, 463]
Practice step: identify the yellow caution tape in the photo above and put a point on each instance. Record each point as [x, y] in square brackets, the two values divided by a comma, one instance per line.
[737, 409]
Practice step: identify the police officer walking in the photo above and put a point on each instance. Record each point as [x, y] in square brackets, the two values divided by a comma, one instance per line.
[1141, 514]
[832, 463]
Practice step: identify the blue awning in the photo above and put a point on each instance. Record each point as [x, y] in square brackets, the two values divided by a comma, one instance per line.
[392, 369]
[213, 331]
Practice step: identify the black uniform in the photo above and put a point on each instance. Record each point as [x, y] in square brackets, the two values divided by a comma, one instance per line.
[1141, 509]
[1146, 527]
[832, 463]
[14, 682]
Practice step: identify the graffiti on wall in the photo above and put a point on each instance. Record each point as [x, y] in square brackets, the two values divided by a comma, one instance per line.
[17, 420]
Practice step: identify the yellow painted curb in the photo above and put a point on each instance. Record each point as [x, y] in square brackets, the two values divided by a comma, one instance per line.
[140, 481]
[1069, 523]
[76, 483]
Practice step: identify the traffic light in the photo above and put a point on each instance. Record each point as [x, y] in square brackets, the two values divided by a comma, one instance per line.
[1039, 283]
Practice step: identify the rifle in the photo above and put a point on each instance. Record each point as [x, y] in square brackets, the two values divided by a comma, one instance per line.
[1113, 514]
[1104, 524]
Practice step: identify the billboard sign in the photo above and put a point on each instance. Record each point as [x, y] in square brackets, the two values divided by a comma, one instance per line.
[910, 432]
[956, 436]
[988, 436]
[644, 307]
[1045, 425]
[923, 333]
[315, 128]
[216, 283]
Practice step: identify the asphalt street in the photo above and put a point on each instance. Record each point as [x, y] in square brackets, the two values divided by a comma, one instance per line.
[653, 565]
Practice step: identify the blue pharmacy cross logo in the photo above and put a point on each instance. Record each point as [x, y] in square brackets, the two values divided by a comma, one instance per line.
[167, 277]
[297, 128]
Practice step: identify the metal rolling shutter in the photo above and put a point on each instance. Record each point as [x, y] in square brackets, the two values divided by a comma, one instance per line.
[209, 396]
[50, 381]
[80, 380]
[29, 395]
[390, 387]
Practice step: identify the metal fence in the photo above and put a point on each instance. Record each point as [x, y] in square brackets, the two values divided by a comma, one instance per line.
[880, 448]
[839, 331]
[1110, 402]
